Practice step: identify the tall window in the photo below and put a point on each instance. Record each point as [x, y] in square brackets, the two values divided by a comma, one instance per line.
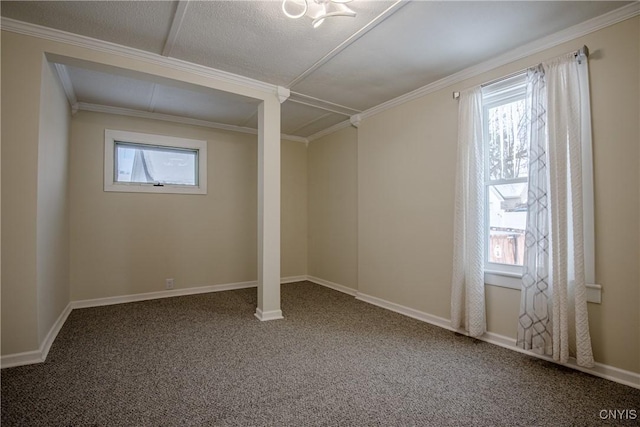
[506, 171]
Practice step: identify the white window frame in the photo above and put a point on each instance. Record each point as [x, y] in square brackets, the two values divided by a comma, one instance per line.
[111, 137]
[505, 91]
[510, 276]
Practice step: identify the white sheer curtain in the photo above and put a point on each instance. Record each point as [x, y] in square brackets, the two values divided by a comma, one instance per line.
[467, 287]
[554, 254]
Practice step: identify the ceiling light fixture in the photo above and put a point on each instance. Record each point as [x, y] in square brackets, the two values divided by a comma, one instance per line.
[318, 10]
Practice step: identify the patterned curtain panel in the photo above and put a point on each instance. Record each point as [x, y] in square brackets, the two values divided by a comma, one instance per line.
[467, 288]
[553, 309]
[534, 323]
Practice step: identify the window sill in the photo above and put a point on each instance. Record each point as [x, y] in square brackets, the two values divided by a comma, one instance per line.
[514, 281]
[503, 279]
[150, 188]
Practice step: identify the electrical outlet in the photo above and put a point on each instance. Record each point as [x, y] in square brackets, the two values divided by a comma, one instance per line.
[169, 283]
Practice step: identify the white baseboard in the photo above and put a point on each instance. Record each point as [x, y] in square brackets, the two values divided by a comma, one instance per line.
[40, 355]
[97, 302]
[611, 373]
[19, 359]
[410, 312]
[268, 315]
[53, 332]
[344, 289]
[293, 279]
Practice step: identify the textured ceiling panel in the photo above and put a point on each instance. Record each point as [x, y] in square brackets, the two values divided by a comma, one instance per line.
[426, 41]
[220, 108]
[325, 122]
[140, 24]
[95, 87]
[140, 92]
[297, 116]
[255, 39]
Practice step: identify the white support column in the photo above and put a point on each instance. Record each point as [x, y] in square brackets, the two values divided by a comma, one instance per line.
[269, 210]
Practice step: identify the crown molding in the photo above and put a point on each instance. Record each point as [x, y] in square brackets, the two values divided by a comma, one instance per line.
[283, 93]
[330, 130]
[51, 34]
[310, 101]
[295, 138]
[618, 15]
[63, 74]
[97, 108]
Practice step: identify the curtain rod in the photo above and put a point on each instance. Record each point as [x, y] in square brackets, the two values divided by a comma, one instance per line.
[578, 54]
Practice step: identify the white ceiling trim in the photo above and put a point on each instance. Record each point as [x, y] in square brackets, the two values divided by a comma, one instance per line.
[330, 130]
[248, 119]
[178, 17]
[312, 121]
[322, 104]
[34, 30]
[345, 44]
[67, 86]
[571, 33]
[84, 106]
[152, 98]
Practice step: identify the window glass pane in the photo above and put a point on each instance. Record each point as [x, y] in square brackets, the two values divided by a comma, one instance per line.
[139, 163]
[508, 155]
[507, 222]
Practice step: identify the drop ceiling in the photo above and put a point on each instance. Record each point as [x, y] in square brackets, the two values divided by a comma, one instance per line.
[344, 67]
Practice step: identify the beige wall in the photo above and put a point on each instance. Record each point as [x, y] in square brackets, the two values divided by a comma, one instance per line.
[406, 159]
[406, 166]
[52, 209]
[128, 243]
[293, 198]
[21, 79]
[22, 59]
[333, 208]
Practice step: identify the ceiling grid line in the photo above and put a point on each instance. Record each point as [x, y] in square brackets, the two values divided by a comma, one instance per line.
[322, 104]
[152, 98]
[310, 122]
[248, 119]
[178, 17]
[345, 44]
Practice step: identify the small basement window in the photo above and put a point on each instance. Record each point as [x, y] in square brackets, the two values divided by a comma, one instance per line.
[141, 162]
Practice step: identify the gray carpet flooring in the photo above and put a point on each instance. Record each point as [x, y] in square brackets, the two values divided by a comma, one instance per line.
[205, 360]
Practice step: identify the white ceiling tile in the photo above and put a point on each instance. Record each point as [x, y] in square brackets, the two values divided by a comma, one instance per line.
[126, 89]
[296, 117]
[140, 24]
[323, 123]
[426, 41]
[220, 107]
[255, 38]
[95, 87]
